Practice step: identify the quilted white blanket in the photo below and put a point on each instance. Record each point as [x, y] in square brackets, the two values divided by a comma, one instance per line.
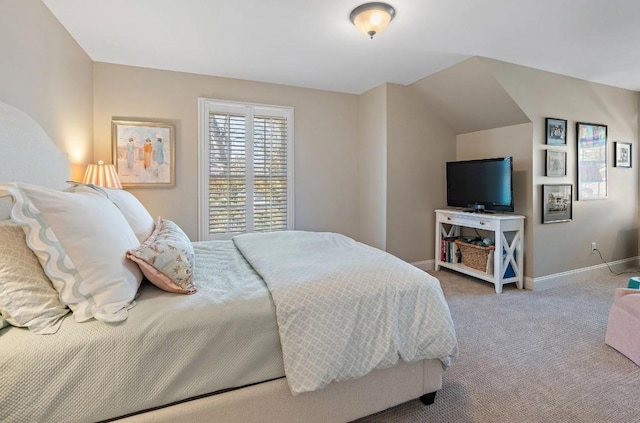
[344, 308]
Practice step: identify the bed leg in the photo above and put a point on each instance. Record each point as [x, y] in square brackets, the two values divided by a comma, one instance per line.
[428, 399]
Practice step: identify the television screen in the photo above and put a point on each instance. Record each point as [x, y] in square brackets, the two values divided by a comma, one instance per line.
[484, 184]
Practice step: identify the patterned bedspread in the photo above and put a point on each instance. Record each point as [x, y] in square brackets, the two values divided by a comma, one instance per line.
[344, 308]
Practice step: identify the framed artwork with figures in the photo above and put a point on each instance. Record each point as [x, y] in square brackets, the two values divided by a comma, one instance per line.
[144, 153]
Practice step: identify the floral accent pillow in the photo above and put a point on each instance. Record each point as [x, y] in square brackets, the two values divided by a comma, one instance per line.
[166, 258]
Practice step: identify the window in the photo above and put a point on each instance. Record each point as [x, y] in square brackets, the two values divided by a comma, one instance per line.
[246, 168]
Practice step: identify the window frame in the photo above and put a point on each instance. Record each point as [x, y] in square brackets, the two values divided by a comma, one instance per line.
[249, 110]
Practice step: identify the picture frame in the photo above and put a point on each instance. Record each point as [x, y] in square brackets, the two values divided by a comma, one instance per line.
[556, 130]
[592, 161]
[556, 163]
[144, 153]
[622, 154]
[557, 203]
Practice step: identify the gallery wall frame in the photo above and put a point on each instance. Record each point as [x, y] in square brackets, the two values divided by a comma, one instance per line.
[556, 130]
[622, 154]
[592, 161]
[144, 153]
[557, 202]
[556, 163]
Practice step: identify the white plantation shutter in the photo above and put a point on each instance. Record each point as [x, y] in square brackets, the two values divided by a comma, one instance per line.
[246, 168]
[227, 174]
[269, 174]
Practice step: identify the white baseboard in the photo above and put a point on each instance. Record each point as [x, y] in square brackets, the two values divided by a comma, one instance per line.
[557, 279]
[576, 275]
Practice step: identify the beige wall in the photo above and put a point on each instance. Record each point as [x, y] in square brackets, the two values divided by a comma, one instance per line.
[326, 139]
[612, 223]
[47, 75]
[372, 167]
[418, 145]
[512, 141]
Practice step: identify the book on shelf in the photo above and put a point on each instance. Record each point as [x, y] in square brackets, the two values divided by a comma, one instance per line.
[448, 249]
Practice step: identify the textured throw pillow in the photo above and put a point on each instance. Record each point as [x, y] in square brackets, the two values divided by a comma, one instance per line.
[166, 258]
[81, 240]
[27, 298]
[136, 214]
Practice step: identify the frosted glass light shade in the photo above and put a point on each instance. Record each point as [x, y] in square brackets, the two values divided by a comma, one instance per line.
[103, 175]
[372, 18]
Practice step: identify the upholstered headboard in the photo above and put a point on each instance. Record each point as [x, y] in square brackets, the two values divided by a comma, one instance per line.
[27, 154]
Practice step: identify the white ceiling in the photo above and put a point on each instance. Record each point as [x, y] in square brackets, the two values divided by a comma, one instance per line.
[312, 43]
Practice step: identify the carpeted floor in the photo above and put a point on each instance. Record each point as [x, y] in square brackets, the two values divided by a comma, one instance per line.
[530, 356]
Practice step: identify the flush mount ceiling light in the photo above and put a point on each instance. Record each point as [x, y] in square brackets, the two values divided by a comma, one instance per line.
[372, 18]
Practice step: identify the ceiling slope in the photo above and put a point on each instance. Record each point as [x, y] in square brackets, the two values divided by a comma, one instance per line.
[468, 98]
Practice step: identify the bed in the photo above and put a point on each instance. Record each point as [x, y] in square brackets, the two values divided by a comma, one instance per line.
[222, 353]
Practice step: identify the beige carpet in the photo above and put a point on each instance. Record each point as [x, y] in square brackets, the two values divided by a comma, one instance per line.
[530, 356]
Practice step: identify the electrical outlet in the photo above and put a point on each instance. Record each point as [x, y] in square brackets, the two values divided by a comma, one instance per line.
[593, 247]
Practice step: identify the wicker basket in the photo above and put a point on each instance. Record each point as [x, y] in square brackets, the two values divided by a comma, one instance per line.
[474, 256]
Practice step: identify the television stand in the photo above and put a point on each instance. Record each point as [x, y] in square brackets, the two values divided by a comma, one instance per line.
[508, 235]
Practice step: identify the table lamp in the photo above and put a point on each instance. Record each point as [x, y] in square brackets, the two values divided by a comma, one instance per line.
[103, 175]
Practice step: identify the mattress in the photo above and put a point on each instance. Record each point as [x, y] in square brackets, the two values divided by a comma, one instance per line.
[172, 347]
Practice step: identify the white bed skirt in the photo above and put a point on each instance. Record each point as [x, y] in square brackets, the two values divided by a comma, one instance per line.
[339, 402]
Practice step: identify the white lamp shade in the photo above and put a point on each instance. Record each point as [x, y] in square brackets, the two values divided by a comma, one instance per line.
[103, 175]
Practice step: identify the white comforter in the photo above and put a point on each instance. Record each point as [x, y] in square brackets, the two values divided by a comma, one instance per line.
[344, 308]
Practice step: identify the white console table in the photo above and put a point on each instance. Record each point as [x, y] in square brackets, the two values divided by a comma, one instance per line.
[508, 235]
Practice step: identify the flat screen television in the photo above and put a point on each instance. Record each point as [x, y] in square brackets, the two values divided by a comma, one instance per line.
[479, 185]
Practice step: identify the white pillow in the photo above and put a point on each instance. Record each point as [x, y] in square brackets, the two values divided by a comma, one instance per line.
[81, 240]
[136, 214]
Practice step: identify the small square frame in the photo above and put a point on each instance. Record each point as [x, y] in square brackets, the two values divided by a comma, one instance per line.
[556, 130]
[557, 203]
[556, 163]
[622, 154]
